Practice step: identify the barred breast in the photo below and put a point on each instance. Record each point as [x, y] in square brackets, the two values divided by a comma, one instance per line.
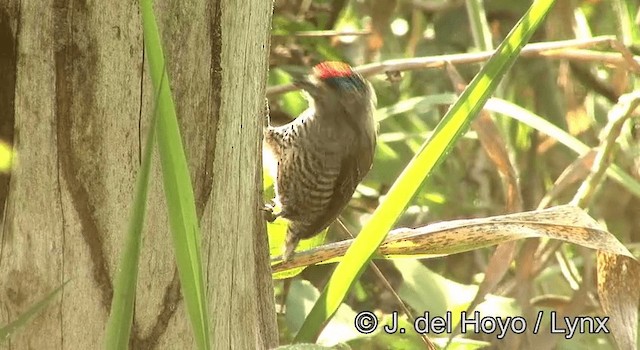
[310, 166]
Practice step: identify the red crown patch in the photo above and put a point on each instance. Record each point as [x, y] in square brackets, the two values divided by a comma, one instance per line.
[332, 69]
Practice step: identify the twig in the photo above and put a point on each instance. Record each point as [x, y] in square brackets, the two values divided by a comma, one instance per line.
[565, 49]
[582, 199]
[628, 56]
[617, 116]
[325, 33]
[388, 285]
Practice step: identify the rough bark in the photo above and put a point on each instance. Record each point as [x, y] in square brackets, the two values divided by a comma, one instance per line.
[75, 102]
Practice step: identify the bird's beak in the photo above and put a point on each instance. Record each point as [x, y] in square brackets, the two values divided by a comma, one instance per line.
[306, 84]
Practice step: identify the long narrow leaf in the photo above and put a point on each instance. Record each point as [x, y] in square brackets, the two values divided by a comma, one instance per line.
[479, 24]
[124, 292]
[177, 186]
[406, 186]
[522, 115]
[537, 122]
[6, 331]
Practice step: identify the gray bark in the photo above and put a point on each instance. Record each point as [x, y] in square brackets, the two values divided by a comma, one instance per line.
[75, 102]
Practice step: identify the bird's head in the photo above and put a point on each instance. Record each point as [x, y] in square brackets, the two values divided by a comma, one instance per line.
[335, 85]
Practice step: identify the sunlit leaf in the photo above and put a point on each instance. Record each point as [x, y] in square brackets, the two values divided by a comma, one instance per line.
[6, 157]
[177, 186]
[432, 153]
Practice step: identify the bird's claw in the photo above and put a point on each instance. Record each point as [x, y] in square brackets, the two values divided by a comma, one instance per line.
[268, 212]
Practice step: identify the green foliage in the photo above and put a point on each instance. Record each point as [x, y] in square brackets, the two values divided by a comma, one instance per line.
[181, 208]
[180, 201]
[543, 104]
[121, 317]
[7, 330]
[6, 156]
[432, 152]
[549, 112]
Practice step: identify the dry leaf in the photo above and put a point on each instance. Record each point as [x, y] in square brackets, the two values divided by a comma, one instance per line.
[619, 291]
[567, 223]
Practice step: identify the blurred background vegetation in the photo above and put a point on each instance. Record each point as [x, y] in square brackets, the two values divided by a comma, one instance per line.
[573, 94]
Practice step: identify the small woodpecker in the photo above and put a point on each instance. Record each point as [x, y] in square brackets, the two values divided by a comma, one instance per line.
[324, 153]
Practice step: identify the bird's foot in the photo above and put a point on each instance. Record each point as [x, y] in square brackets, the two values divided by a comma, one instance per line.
[269, 212]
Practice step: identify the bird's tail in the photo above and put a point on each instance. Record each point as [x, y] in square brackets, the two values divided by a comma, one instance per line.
[290, 244]
[295, 232]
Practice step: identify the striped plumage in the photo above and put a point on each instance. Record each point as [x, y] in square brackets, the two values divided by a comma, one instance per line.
[324, 153]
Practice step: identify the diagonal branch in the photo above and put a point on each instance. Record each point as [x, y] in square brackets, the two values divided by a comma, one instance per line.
[565, 49]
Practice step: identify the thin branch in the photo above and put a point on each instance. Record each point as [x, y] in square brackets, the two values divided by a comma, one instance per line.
[374, 267]
[582, 55]
[603, 158]
[565, 49]
[324, 33]
[617, 116]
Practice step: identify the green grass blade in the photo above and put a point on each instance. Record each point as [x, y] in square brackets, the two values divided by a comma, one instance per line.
[431, 153]
[479, 24]
[520, 114]
[539, 123]
[6, 331]
[119, 324]
[177, 186]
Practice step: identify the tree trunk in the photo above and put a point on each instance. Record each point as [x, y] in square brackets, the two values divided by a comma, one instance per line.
[75, 102]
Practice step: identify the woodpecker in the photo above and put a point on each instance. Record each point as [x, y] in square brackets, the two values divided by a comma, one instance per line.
[324, 153]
